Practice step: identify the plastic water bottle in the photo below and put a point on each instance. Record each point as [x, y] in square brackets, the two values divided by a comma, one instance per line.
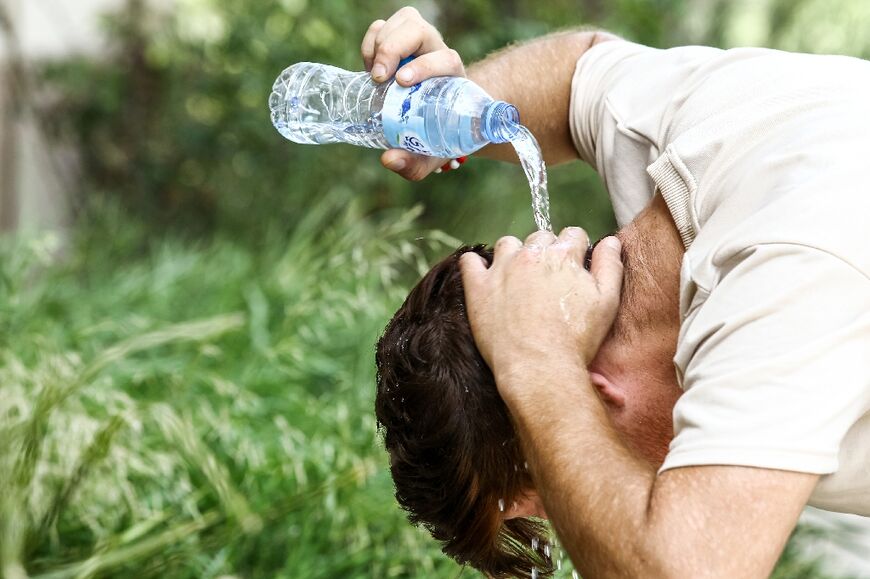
[442, 116]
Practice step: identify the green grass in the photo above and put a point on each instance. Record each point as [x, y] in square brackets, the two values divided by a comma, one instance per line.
[194, 410]
[204, 409]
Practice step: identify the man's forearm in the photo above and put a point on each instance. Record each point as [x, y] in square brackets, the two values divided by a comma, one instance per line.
[536, 77]
[617, 518]
[595, 491]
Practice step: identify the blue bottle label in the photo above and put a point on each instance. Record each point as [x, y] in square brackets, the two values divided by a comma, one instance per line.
[404, 127]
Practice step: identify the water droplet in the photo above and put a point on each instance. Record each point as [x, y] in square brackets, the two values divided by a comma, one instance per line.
[558, 564]
[535, 543]
[526, 465]
[547, 549]
[574, 575]
[534, 573]
[501, 505]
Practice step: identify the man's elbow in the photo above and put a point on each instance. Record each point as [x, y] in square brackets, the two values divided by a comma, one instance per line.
[599, 36]
[586, 38]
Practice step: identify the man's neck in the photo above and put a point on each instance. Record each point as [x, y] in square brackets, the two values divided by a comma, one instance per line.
[652, 253]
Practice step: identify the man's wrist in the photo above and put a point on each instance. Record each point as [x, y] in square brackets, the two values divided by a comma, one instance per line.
[528, 378]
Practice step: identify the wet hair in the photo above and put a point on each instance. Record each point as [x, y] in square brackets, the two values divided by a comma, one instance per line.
[455, 457]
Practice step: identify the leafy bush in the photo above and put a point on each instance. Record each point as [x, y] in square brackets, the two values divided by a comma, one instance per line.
[240, 440]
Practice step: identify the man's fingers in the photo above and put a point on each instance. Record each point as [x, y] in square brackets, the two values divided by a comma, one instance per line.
[505, 248]
[411, 166]
[471, 266]
[404, 34]
[368, 44]
[444, 62]
[539, 239]
[473, 269]
[384, 65]
[577, 241]
[606, 268]
[573, 235]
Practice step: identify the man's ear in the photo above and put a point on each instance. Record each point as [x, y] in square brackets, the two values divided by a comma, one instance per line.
[610, 393]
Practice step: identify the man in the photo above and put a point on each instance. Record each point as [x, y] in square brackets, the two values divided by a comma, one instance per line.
[758, 158]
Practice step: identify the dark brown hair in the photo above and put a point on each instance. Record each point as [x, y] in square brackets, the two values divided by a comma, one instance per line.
[454, 455]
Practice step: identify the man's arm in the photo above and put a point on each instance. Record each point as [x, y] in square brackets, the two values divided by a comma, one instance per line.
[615, 516]
[534, 76]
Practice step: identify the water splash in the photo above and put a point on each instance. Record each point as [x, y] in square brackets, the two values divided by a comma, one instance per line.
[532, 160]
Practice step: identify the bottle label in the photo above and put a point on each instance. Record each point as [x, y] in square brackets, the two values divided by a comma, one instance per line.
[404, 127]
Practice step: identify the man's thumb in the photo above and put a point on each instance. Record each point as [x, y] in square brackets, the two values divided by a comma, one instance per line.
[606, 266]
[410, 166]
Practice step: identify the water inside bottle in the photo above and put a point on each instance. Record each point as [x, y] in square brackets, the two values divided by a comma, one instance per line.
[532, 160]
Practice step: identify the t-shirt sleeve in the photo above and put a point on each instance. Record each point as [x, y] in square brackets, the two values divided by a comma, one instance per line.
[622, 95]
[780, 364]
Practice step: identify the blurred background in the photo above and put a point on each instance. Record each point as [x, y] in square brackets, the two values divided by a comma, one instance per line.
[189, 303]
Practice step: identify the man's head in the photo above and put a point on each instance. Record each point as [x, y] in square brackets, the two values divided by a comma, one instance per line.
[453, 449]
[455, 457]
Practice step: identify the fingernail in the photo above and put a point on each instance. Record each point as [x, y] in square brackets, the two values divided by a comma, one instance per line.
[396, 165]
[613, 242]
[378, 71]
[405, 75]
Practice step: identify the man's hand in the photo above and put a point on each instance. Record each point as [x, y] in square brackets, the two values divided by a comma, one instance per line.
[513, 75]
[537, 302]
[405, 34]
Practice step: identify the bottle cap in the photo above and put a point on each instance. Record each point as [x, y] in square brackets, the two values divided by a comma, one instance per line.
[500, 123]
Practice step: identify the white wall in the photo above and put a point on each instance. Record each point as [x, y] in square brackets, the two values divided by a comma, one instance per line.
[49, 28]
[45, 29]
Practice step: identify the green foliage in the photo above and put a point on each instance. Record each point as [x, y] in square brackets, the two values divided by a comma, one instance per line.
[194, 411]
[794, 562]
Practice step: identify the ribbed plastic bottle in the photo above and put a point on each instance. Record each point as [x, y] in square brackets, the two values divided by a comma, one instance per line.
[442, 116]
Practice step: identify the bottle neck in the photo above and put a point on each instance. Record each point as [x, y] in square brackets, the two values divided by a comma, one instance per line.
[500, 122]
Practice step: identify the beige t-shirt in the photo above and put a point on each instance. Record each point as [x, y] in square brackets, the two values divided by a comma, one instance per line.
[763, 158]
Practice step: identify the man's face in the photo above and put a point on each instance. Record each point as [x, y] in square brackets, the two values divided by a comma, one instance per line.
[633, 370]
